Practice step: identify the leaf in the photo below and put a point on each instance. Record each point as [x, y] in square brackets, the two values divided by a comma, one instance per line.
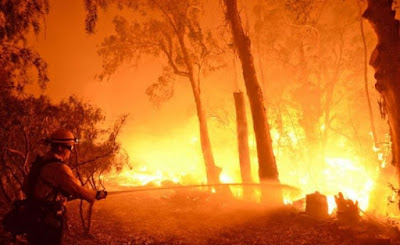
[162, 90]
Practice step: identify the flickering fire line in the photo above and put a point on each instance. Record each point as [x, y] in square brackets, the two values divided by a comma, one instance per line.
[137, 189]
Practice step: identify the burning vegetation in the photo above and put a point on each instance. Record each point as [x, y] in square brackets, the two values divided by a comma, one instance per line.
[260, 123]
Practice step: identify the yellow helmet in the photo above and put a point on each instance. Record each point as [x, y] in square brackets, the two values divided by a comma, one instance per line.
[63, 136]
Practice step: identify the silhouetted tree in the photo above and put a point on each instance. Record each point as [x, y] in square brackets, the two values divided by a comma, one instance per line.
[385, 59]
[266, 159]
[98, 149]
[17, 59]
[24, 122]
[27, 121]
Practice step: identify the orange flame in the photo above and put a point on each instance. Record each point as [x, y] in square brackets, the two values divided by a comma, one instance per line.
[178, 159]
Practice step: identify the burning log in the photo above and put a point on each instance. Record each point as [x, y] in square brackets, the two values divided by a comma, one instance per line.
[317, 205]
[347, 210]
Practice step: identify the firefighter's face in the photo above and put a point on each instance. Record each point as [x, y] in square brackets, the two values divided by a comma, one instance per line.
[65, 152]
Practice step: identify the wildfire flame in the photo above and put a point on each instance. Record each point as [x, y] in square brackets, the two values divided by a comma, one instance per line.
[177, 159]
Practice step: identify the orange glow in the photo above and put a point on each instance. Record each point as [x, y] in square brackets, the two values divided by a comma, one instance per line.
[164, 143]
[178, 159]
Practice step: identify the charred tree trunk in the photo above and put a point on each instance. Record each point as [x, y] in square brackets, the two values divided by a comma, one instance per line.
[317, 205]
[243, 137]
[266, 158]
[260, 65]
[385, 60]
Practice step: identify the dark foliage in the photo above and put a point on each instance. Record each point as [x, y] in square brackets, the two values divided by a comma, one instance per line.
[27, 121]
[17, 59]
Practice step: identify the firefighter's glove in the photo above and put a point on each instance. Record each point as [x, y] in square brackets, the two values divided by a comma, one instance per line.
[101, 195]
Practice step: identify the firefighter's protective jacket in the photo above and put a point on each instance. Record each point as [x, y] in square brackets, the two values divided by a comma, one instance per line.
[57, 182]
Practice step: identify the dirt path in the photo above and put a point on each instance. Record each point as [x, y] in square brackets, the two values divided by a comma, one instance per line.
[197, 218]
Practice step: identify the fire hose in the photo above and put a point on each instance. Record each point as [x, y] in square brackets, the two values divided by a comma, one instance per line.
[266, 184]
[138, 189]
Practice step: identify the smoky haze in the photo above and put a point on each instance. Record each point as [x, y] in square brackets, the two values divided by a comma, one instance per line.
[301, 64]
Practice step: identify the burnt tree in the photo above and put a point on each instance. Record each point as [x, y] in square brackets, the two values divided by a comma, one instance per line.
[385, 59]
[266, 159]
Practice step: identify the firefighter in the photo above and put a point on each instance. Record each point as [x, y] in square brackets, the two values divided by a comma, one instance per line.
[49, 185]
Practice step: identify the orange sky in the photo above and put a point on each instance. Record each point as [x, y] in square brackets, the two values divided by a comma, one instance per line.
[73, 64]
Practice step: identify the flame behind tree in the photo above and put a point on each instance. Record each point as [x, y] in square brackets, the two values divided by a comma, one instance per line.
[170, 29]
[314, 87]
[302, 39]
[266, 158]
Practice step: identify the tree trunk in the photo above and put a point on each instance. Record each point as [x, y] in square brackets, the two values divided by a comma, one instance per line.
[85, 225]
[211, 170]
[260, 65]
[243, 137]
[371, 115]
[3, 183]
[266, 158]
[385, 60]
[14, 185]
[243, 143]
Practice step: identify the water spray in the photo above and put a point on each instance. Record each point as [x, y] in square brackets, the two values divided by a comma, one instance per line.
[266, 184]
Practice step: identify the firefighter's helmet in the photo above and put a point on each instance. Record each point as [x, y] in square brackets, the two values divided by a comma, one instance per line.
[64, 137]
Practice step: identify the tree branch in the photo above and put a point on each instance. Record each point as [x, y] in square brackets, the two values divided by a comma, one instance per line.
[19, 153]
[171, 62]
[26, 158]
[94, 159]
[172, 23]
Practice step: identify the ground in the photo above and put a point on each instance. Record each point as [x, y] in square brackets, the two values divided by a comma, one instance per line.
[193, 217]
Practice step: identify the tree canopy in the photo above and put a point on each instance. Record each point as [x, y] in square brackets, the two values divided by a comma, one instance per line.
[17, 59]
